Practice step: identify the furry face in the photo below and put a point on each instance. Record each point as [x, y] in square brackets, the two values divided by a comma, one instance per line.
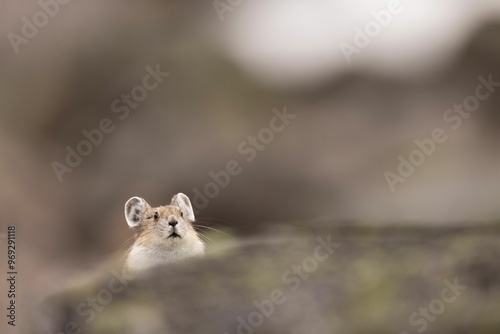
[167, 225]
[165, 234]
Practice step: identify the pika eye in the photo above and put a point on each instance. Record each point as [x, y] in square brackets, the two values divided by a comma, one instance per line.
[156, 216]
[182, 214]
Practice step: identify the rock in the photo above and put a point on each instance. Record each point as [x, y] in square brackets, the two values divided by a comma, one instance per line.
[319, 279]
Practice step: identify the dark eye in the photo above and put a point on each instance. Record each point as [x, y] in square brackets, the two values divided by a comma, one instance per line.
[156, 216]
[182, 214]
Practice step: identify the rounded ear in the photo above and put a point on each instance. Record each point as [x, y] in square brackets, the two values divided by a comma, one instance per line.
[134, 208]
[183, 202]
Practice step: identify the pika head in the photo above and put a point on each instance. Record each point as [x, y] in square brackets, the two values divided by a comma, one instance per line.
[164, 234]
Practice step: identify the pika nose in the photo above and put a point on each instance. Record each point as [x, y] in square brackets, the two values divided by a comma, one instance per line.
[172, 223]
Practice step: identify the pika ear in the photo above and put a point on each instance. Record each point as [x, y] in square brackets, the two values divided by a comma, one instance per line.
[183, 202]
[134, 208]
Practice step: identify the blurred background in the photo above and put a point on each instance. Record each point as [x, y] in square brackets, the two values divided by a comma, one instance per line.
[229, 66]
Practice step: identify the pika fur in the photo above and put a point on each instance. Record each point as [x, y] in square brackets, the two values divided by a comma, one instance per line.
[165, 234]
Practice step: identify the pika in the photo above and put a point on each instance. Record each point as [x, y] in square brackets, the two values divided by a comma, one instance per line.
[164, 234]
